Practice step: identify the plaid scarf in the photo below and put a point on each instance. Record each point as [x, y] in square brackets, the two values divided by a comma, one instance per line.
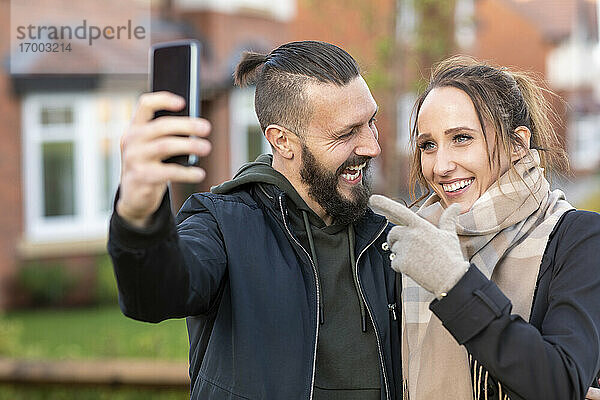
[504, 234]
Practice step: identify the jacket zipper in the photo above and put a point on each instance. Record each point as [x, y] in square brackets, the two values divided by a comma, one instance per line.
[387, 392]
[392, 308]
[312, 383]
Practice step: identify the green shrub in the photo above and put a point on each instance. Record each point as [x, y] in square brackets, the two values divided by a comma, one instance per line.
[106, 284]
[46, 283]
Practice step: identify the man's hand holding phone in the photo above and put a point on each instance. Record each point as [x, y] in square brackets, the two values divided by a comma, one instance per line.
[146, 143]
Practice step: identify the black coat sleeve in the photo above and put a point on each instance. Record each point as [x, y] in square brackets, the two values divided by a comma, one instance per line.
[164, 271]
[559, 360]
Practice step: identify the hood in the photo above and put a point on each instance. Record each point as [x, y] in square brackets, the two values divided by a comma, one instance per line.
[261, 171]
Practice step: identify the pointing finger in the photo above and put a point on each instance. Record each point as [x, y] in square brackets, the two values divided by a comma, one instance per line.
[397, 213]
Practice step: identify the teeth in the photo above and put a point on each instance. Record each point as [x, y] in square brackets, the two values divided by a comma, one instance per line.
[351, 177]
[454, 186]
[357, 167]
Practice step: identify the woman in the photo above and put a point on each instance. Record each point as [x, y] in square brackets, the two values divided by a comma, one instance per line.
[508, 268]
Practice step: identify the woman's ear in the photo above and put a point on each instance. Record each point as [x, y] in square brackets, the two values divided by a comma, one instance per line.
[521, 146]
[279, 138]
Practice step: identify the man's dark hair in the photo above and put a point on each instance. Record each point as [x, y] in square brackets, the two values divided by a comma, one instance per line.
[280, 77]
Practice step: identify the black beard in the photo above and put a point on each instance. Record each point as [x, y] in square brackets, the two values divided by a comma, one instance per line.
[323, 187]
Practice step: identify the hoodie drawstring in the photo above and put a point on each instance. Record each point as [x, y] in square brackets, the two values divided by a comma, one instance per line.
[351, 244]
[313, 252]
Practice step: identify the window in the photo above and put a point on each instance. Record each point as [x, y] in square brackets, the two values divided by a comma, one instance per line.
[406, 21]
[71, 163]
[404, 106]
[58, 179]
[464, 21]
[246, 138]
[584, 142]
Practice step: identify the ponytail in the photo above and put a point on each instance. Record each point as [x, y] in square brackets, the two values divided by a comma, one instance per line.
[542, 116]
[246, 70]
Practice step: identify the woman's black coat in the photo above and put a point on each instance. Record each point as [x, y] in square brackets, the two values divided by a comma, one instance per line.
[557, 354]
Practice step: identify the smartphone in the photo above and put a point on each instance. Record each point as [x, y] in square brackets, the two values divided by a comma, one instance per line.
[175, 67]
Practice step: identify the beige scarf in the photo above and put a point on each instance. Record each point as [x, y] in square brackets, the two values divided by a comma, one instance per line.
[505, 235]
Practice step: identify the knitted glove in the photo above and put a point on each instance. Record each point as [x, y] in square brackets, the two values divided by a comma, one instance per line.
[430, 256]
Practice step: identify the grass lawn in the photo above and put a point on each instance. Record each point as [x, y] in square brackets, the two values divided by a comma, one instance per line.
[8, 392]
[89, 333]
[591, 203]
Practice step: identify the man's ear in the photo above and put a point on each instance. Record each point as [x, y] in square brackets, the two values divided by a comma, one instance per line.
[279, 138]
[517, 151]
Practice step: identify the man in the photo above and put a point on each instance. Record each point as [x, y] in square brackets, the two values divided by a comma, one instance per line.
[282, 272]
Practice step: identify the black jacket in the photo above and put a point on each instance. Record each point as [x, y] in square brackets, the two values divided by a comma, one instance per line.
[557, 354]
[233, 262]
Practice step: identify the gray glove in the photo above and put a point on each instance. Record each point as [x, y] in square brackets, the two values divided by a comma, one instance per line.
[430, 256]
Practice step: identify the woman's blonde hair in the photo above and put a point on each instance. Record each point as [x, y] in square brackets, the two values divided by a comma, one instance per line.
[505, 99]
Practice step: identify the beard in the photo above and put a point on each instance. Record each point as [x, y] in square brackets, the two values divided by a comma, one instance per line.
[323, 187]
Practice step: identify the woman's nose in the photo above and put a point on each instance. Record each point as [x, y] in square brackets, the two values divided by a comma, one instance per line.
[444, 163]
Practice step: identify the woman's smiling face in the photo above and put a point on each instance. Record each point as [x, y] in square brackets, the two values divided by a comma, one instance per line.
[454, 153]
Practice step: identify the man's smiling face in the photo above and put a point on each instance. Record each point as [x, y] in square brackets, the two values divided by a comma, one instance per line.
[337, 147]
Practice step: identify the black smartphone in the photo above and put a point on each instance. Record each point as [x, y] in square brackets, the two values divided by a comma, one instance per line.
[175, 67]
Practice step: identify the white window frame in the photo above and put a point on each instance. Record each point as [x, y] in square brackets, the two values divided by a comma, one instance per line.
[407, 21]
[89, 220]
[584, 146]
[465, 32]
[241, 117]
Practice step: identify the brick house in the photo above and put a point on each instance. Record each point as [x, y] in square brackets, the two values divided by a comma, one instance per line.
[58, 183]
[559, 40]
[59, 152]
[556, 39]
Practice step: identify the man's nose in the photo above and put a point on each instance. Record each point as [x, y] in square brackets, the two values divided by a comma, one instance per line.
[369, 143]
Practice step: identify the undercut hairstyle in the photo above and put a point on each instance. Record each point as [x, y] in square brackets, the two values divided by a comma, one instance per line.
[504, 100]
[281, 76]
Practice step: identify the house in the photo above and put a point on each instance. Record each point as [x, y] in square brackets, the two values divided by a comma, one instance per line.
[63, 117]
[559, 40]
